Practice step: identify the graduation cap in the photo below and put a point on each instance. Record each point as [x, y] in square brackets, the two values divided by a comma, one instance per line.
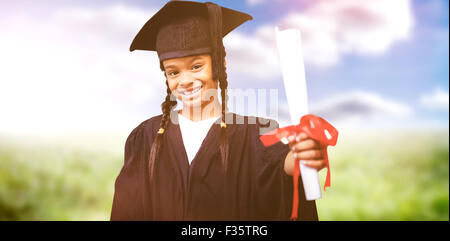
[185, 28]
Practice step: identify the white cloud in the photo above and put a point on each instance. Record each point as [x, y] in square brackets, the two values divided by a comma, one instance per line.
[332, 29]
[360, 105]
[255, 2]
[261, 2]
[355, 106]
[71, 70]
[438, 100]
[251, 57]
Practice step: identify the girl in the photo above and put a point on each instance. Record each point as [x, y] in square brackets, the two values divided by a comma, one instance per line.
[203, 162]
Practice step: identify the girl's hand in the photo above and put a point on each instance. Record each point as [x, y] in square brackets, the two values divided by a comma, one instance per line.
[307, 150]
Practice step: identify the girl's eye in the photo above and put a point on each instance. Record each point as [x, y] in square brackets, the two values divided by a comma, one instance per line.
[197, 66]
[172, 73]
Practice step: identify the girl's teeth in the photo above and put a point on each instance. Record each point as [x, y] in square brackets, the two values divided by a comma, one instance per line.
[191, 92]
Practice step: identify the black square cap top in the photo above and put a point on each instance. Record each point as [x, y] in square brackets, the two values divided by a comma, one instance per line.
[181, 28]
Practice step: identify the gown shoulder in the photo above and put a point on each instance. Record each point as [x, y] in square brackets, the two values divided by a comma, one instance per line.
[143, 133]
[131, 178]
[149, 126]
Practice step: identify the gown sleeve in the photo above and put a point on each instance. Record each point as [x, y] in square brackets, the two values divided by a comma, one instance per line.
[275, 187]
[128, 202]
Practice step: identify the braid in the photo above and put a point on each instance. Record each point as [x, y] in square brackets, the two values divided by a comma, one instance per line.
[166, 107]
[218, 69]
[224, 145]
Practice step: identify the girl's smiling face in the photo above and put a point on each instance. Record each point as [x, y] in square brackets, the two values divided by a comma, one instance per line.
[190, 80]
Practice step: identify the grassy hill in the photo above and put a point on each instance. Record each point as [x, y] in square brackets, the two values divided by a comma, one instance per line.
[375, 176]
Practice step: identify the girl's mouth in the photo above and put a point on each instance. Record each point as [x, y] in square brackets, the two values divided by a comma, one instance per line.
[194, 92]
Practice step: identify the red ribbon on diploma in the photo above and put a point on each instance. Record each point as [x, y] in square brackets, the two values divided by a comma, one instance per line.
[317, 129]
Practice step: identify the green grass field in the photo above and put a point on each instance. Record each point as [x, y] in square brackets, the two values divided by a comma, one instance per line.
[378, 176]
[388, 176]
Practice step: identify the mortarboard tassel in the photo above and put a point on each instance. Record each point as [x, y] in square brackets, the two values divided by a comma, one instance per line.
[215, 26]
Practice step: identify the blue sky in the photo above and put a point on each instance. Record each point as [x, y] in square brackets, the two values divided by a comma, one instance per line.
[407, 75]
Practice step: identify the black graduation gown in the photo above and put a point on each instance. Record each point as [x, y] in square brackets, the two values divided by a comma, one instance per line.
[256, 188]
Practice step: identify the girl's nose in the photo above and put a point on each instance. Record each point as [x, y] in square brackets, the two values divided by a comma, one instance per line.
[186, 80]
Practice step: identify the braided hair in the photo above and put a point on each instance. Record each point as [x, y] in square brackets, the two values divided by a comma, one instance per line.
[219, 72]
[166, 108]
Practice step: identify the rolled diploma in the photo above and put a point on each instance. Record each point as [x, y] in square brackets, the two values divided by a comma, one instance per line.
[293, 69]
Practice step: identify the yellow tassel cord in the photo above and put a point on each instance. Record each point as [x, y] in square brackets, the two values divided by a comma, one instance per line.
[160, 131]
